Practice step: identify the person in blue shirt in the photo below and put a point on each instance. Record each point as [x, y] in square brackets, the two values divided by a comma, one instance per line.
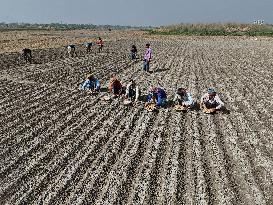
[91, 83]
[184, 98]
[157, 95]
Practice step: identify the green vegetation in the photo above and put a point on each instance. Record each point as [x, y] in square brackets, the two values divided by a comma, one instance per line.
[214, 30]
[57, 26]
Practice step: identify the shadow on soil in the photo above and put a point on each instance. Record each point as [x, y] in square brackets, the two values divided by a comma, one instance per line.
[160, 70]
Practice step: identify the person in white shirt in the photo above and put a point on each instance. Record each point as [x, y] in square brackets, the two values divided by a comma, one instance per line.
[71, 50]
[211, 100]
[183, 97]
[132, 91]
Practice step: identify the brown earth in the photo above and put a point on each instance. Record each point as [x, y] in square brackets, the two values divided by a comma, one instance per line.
[60, 145]
[15, 41]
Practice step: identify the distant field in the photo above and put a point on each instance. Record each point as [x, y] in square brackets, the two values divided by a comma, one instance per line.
[60, 145]
[15, 41]
[215, 30]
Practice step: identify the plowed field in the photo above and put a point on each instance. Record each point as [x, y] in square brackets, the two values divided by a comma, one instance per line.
[60, 145]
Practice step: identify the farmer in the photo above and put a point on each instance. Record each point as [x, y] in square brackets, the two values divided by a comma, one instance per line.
[132, 91]
[147, 58]
[71, 49]
[115, 86]
[88, 47]
[26, 54]
[91, 83]
[183, 98]
[157, 95]
[133, 52]
[211, 100]
[100, 44]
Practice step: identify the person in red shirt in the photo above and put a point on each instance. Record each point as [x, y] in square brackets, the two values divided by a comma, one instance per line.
[115, 86]
[100, 44]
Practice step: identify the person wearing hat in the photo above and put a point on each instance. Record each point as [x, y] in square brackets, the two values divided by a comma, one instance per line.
[157, 95]
[91, 83]
[183, 98]
[147, 58]
[132, 91]
[115, 86]
[211, 100]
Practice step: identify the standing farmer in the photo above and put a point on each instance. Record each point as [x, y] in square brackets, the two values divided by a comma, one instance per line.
[133, 52]
[147, 58]
[100, 44]
[26, 54]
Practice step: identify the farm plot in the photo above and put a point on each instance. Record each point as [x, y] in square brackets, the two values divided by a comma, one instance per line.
[60, 145]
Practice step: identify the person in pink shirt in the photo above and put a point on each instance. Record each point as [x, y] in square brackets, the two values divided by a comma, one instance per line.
[147, 58]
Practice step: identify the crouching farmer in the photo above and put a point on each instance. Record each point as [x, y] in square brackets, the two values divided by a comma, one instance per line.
[71, 50]
[132, 91]
[211, 102]
[158, 96]
[88, 47]
[115, 86]
[91, 83]
[183, 98]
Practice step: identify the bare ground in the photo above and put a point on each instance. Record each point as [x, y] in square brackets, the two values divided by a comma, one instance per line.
[60, 145]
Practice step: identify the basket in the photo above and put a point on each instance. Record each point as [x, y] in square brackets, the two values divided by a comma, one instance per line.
[209, 111]
[180, 108]
[150, 107]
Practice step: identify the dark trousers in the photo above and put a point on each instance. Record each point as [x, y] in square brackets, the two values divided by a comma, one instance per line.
[210, 105]
[133, 55]
[27, 57]
[116, 90]
[132, 93]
